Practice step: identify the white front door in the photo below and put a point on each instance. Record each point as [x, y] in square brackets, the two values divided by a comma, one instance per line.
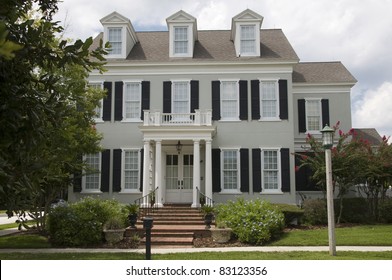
[179, 178]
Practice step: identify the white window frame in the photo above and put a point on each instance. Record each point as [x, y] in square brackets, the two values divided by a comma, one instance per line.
[276, 117]
[317, 131]
[138, 118]
[123, 39]
[254, 40]
[123, 170]
[238, 189]
[279, 172]
[188, 82]
[185, 41]
[84, 178]
[236, 115]
[98, 84]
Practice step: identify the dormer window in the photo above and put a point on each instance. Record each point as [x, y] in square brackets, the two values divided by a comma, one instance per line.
[115, 40]
[245, 33]
[119, 32]
[182, 34]
[181, 40]
[248, 40]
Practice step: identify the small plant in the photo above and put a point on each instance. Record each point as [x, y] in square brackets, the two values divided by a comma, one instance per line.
[207, 209]
[132, 209]
[114, 223]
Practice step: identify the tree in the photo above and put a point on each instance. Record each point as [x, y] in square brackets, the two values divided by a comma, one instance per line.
[349, 163]
[46, 108]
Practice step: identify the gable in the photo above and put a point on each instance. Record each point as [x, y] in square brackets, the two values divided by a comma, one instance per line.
[180, 16]
[115, 18]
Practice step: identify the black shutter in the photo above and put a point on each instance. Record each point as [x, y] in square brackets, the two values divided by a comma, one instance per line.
[145, 98]
[256, 161]
[244, 160]
[255, 93]
[77, 178]
[194, 96]
[216, 170]
[117, 170]
[105, 170]
[285, 171]
[216, 100]
[283, 100]
[325, 112]
[141, 169]
[107, 102]
[118, 101]
[303, 176]
[243, 100]
[301, 115]
[167, 97]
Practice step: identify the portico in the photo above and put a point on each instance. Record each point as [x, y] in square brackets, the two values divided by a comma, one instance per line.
[177, 156]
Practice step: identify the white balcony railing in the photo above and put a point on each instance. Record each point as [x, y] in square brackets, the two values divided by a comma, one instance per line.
[199, 118]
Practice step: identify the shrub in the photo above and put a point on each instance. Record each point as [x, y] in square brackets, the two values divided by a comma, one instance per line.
[355, 210]
[291, 213]
[315, 211]
[80, 223]
[385, 210]
[254, 222]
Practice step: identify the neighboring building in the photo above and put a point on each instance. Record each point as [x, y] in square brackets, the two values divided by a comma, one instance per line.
[220, 111]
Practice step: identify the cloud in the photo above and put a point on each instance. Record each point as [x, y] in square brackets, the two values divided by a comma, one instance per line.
[374, 110]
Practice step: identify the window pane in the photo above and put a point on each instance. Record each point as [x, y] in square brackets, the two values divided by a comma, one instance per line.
[269, 99]
[131, 170]
[248, 39]
[115, 40]
[181, 103]
[230, 171]
[181, 40]
[132, 101]
[97, 109]
[229, 99]
[92, 180]
[313, 114]
[270, 170]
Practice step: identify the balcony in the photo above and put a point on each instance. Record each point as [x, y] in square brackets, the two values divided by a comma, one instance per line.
[199, 118]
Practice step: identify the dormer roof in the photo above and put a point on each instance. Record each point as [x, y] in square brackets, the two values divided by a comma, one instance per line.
[117, 19]
[245, 17]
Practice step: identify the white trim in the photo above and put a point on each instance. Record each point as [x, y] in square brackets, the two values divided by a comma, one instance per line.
[279, 175]
[190, 39]
[123, 189]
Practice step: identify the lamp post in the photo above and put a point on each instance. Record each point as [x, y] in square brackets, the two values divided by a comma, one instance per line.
[328, 134]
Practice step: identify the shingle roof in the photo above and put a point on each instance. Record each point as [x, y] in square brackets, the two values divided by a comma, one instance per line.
[368, 134]
[212, 46]
[322, 72]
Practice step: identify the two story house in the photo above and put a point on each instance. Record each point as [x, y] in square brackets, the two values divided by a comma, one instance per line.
[214, 111]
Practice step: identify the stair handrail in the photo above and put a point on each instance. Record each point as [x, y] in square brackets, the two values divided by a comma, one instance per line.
[147, 204]
[203, 199]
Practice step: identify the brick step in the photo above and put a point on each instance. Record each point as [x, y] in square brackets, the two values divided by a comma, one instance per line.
[176, 218]
[172, 234]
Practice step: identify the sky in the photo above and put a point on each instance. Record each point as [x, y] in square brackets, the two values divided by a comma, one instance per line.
[357, 33]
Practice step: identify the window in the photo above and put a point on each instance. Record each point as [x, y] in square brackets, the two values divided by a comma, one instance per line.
[248, 40]
[229, 100]
[132, 101]
[269, 100]
[131, 170]
[99, 108]
[181, 97]
[115, 40]
[230, 170]
[270, 170]
[92, 178]
[313, 115]
[180, 40]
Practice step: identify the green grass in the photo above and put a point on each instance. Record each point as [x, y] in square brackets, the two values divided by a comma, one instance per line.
[202, 256]
[29, 241]
[368, 235]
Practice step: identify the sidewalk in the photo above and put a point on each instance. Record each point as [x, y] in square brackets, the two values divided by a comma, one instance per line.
[197, 250]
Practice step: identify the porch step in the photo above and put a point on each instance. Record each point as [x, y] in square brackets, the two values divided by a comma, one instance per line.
[175, 225]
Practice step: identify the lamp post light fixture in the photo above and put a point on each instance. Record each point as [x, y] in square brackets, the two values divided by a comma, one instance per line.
[328, 134]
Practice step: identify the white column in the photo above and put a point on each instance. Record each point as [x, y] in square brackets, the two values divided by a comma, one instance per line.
[196, 171]
[208, 186]
[146, 172]
[158, 172]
